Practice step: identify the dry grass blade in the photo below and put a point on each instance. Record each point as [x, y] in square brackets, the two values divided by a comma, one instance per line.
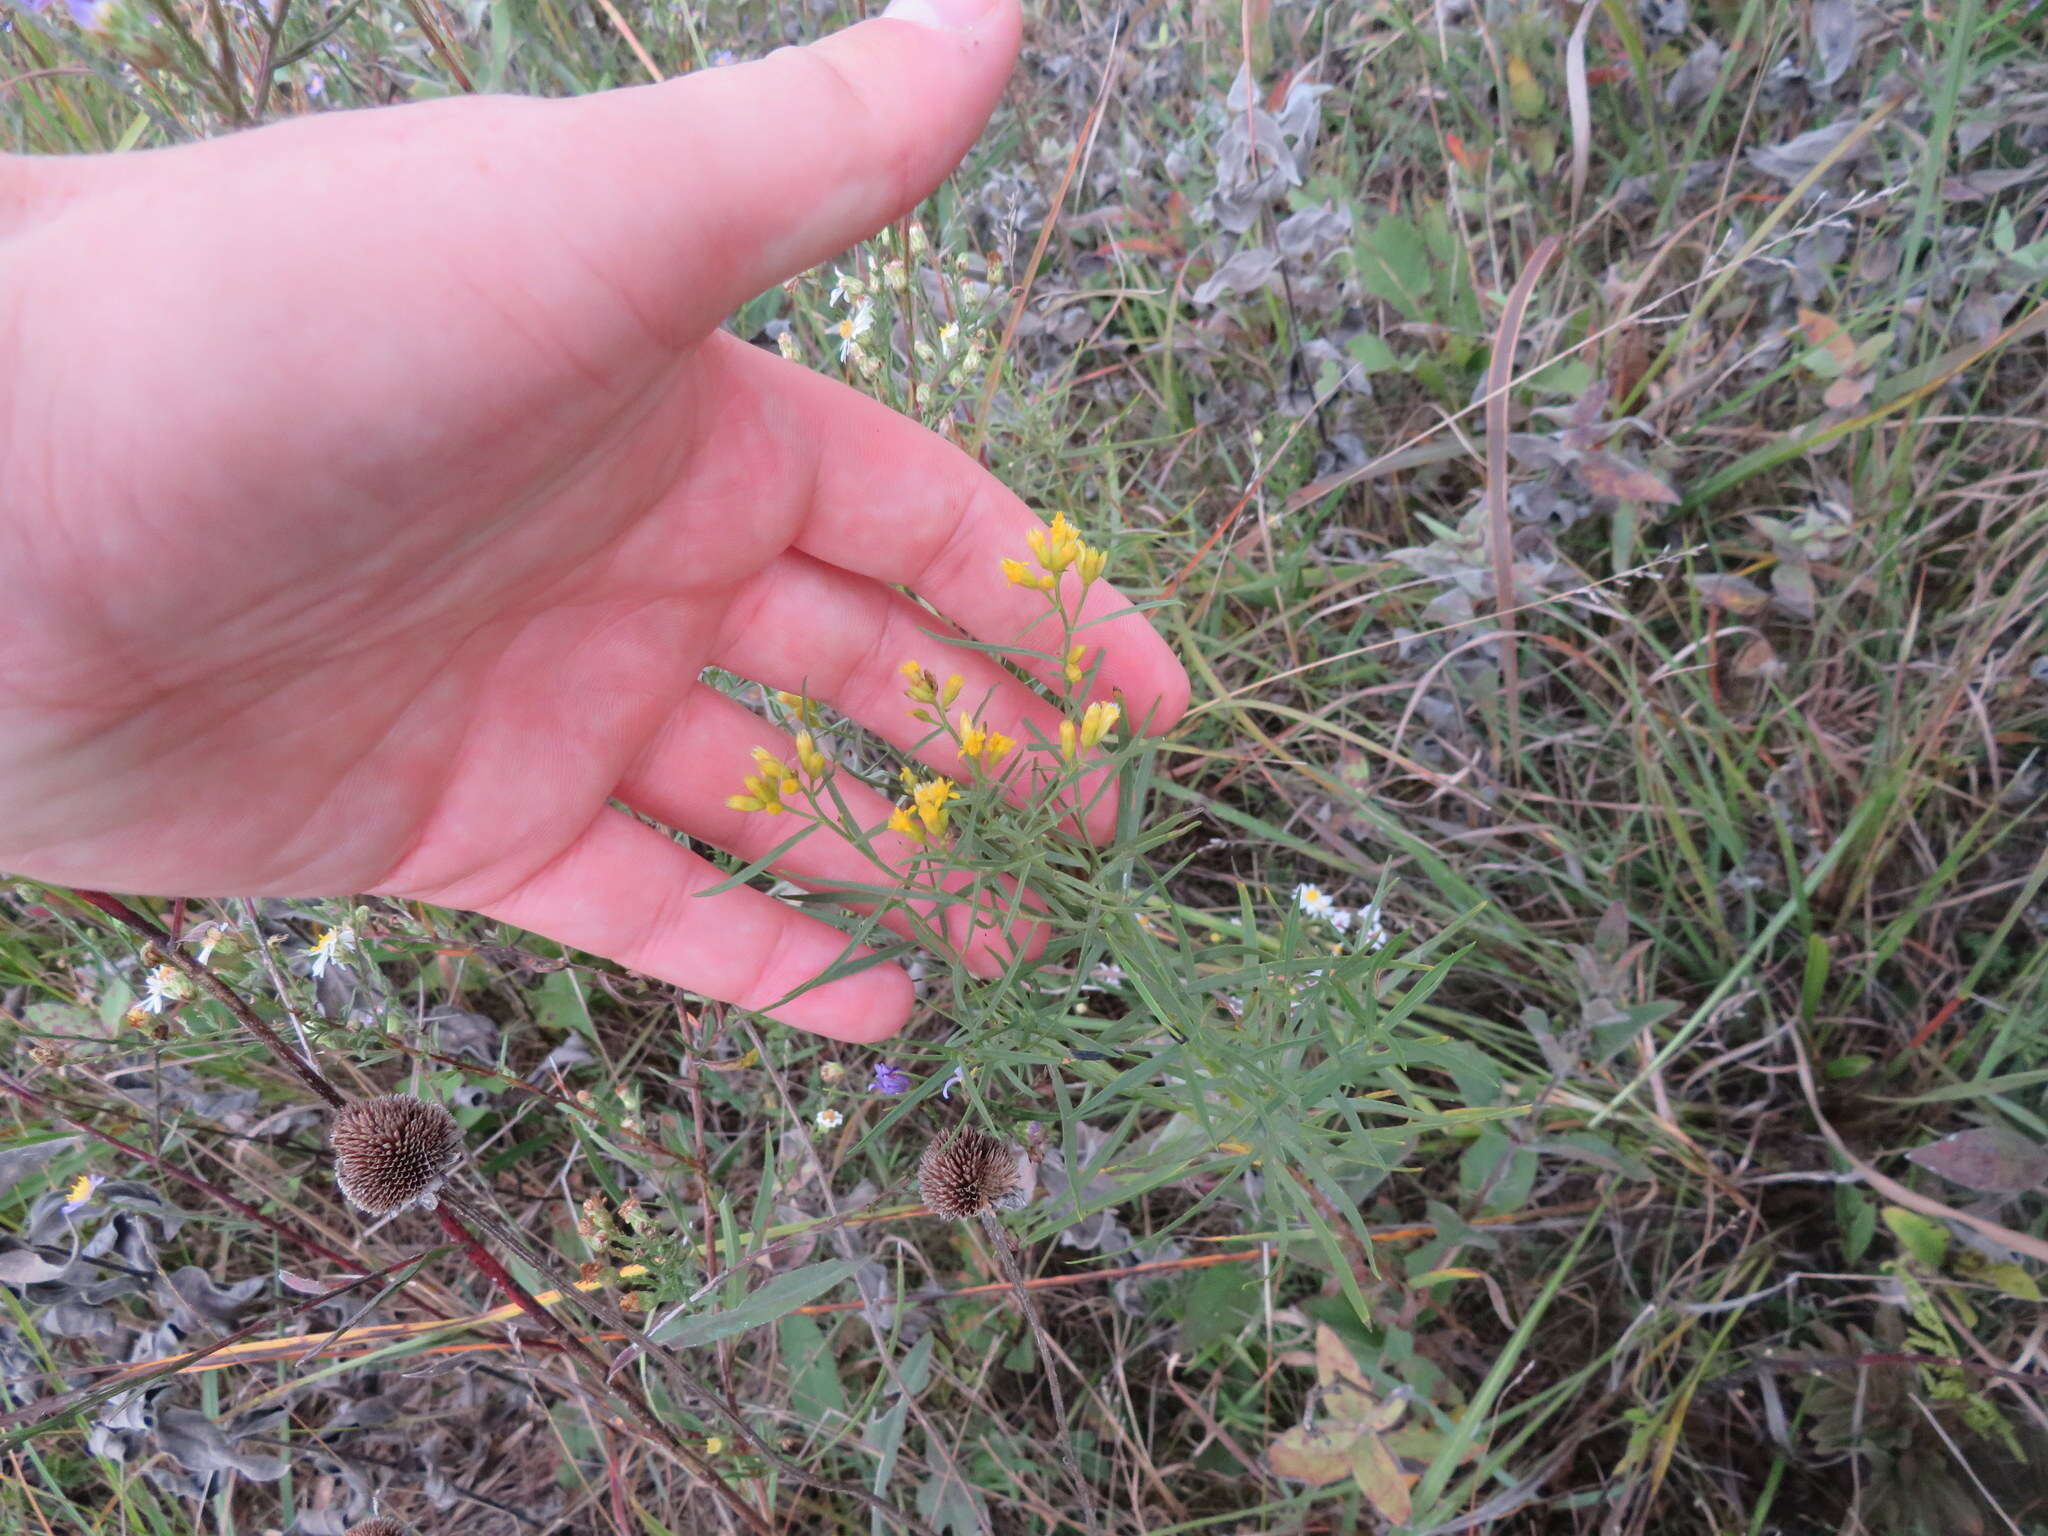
[1500, 526]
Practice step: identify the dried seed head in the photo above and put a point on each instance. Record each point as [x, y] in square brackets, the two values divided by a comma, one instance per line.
[389, 1153]
[967, 1173]
[376, 1525]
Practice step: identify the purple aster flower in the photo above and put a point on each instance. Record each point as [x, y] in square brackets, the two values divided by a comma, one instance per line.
[91, 15]
[889, 1079]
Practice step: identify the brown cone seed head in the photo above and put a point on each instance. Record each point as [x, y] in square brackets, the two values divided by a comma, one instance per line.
[376, 1525]
[967, 1173]
[391, 1152]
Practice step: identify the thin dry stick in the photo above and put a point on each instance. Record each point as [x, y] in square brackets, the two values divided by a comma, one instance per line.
[1500, 367]
[632, 39]
[1007, 1257]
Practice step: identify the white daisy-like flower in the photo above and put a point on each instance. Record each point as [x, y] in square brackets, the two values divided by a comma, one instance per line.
[949, 337]
[1315, 901]
[1371, 924]
[330, 946]
[830, 1120]
[160, 988]
[1339, 918]
[844, 287]
[852, 328]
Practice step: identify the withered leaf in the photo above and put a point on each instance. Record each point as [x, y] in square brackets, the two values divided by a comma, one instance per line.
[1732, 594]
[1990, 1158]
[1318, 1455]
[1608, 474]
[1381, 1479]
[1758, 659]
[1846, 391]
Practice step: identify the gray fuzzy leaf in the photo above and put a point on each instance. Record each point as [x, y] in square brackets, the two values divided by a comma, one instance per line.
[1693, 81]
[17, 1163]
[75, 1320]
[1837, 38]
[1246, 271]
[25, 1266]
[1791, 161]
[193, 1294]
[196, 1443]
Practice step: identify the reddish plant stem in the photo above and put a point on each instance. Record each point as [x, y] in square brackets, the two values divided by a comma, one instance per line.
[203, 976]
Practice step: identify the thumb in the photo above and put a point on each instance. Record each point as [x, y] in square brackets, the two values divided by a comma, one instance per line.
[767, 169]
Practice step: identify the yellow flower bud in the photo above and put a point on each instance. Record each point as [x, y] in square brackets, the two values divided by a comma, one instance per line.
[952, 689]
[805, 711]
[1076, 663]
[1068, 747]
[1098, 722]
[745, 802]
[900, 820]
[808, 757]
[1092, 564]
[923, 688]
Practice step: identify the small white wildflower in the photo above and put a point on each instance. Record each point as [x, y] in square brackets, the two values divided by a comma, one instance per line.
[949, 336]
[852, 328]
[1314, 900]
[830, 1120]
[1339, 918]
[786, 345]
[845, 287]
[210, 938]
[1372, 927]
[330, 946]
[162, 987]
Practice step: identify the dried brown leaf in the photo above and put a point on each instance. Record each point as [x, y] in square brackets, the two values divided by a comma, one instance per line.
[1989, 1158]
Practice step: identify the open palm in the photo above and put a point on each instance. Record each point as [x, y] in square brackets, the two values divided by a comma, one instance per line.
[374, 488]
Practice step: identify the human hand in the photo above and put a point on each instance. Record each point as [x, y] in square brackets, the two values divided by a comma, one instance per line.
[374, 487]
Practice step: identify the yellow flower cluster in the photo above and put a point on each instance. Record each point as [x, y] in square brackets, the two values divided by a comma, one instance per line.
[923, 688]
[776, 781]
[1096, 722]
[1077, 663]
[983, 744]
[925, 819]
[1057, 548]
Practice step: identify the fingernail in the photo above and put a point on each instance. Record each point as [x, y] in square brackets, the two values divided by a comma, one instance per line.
[945, 15]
